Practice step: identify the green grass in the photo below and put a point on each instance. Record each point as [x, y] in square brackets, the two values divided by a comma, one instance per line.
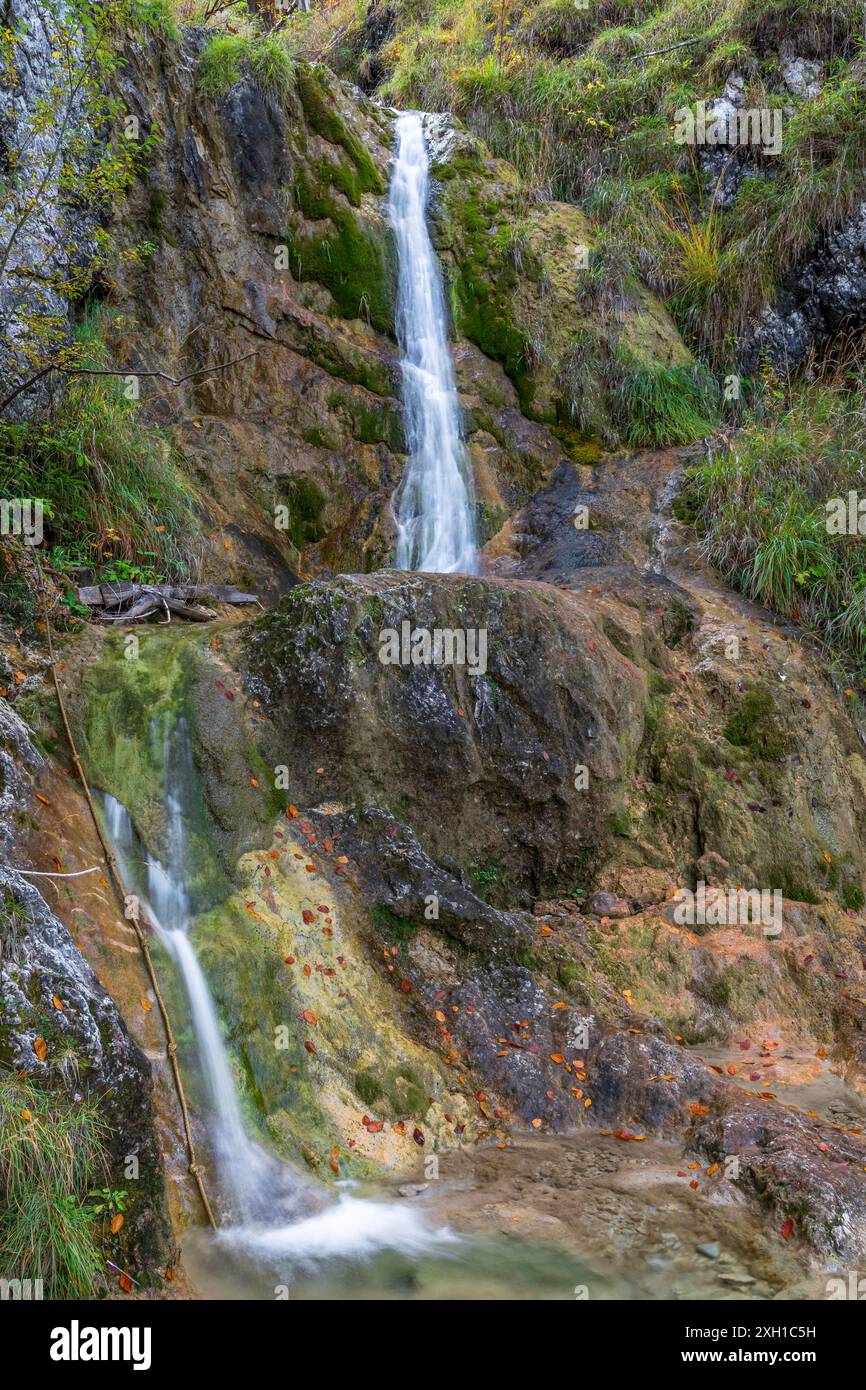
[52, 1153]
[112, 490]
[268, 58]
[760, 507]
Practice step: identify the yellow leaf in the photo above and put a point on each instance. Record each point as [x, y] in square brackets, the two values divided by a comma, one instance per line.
[56, 1002]
[40, 1047]
[116, 1223]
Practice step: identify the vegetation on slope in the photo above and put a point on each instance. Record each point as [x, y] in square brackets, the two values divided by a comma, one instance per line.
[114, 499]
[566, 93]
[52, 1155]
[760, 505]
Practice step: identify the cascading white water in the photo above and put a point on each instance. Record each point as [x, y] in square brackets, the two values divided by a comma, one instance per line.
[434, 504]
[282, 1217]
[257, 1183]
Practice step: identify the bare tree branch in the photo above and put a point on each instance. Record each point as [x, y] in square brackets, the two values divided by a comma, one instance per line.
[122, 371]
[654, 52]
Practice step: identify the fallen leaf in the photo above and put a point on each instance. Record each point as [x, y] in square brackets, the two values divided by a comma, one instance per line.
[40, 1047]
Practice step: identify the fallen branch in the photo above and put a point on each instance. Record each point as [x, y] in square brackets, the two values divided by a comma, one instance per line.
[654, 52]
[122, 371]
[130, 603]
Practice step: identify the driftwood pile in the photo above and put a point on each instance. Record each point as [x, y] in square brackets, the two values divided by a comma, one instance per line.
[132, 603]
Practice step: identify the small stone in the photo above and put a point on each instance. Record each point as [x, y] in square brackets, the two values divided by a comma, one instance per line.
[711, 1250]
[412, 1189]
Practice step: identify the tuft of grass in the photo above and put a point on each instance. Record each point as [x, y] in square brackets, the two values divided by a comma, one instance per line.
[52, 1153]
[663, 406]
[760, 507]
[268, 58]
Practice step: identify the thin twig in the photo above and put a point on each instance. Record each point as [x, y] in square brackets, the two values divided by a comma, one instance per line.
[37, 873]
[654, 52]
[123, 371]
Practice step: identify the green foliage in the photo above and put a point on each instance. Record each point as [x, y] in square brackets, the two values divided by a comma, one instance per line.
[56, 159]
[51, 1152]
[115, 499]
[761, 507]
[558, 90]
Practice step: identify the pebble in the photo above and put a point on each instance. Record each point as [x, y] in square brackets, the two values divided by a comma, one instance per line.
[711, 1250]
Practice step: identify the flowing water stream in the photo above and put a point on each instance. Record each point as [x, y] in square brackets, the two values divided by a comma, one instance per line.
[281, 1230]
[434, 505]
[275, 1215]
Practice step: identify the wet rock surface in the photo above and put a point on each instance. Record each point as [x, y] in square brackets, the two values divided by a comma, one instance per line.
[87, 1047]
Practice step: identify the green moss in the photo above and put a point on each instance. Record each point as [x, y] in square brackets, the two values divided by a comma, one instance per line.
[306, 503]
[355, 261]
[394, 930]
[755, 726]
[619, 823]
[481, 290]
[368, 1087]
[322, 114]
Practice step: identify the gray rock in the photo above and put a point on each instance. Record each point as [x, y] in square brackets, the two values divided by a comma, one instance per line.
[608, 905]
[711, 1250]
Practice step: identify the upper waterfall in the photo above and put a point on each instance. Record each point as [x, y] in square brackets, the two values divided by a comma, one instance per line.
[434, 503]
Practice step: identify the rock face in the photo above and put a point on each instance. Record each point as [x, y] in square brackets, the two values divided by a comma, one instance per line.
[88, 1045]
[483, 762]
[815, 300]
[267, 215]
[45, 236]
[684, 752]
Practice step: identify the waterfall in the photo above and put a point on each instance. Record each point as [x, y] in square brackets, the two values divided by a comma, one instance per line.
[434, 504]
[256, 1183]
[277, 1215]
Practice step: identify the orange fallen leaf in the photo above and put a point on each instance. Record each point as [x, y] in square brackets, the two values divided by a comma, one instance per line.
[310, 1017]
[40, 1047]
[116, 1223]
